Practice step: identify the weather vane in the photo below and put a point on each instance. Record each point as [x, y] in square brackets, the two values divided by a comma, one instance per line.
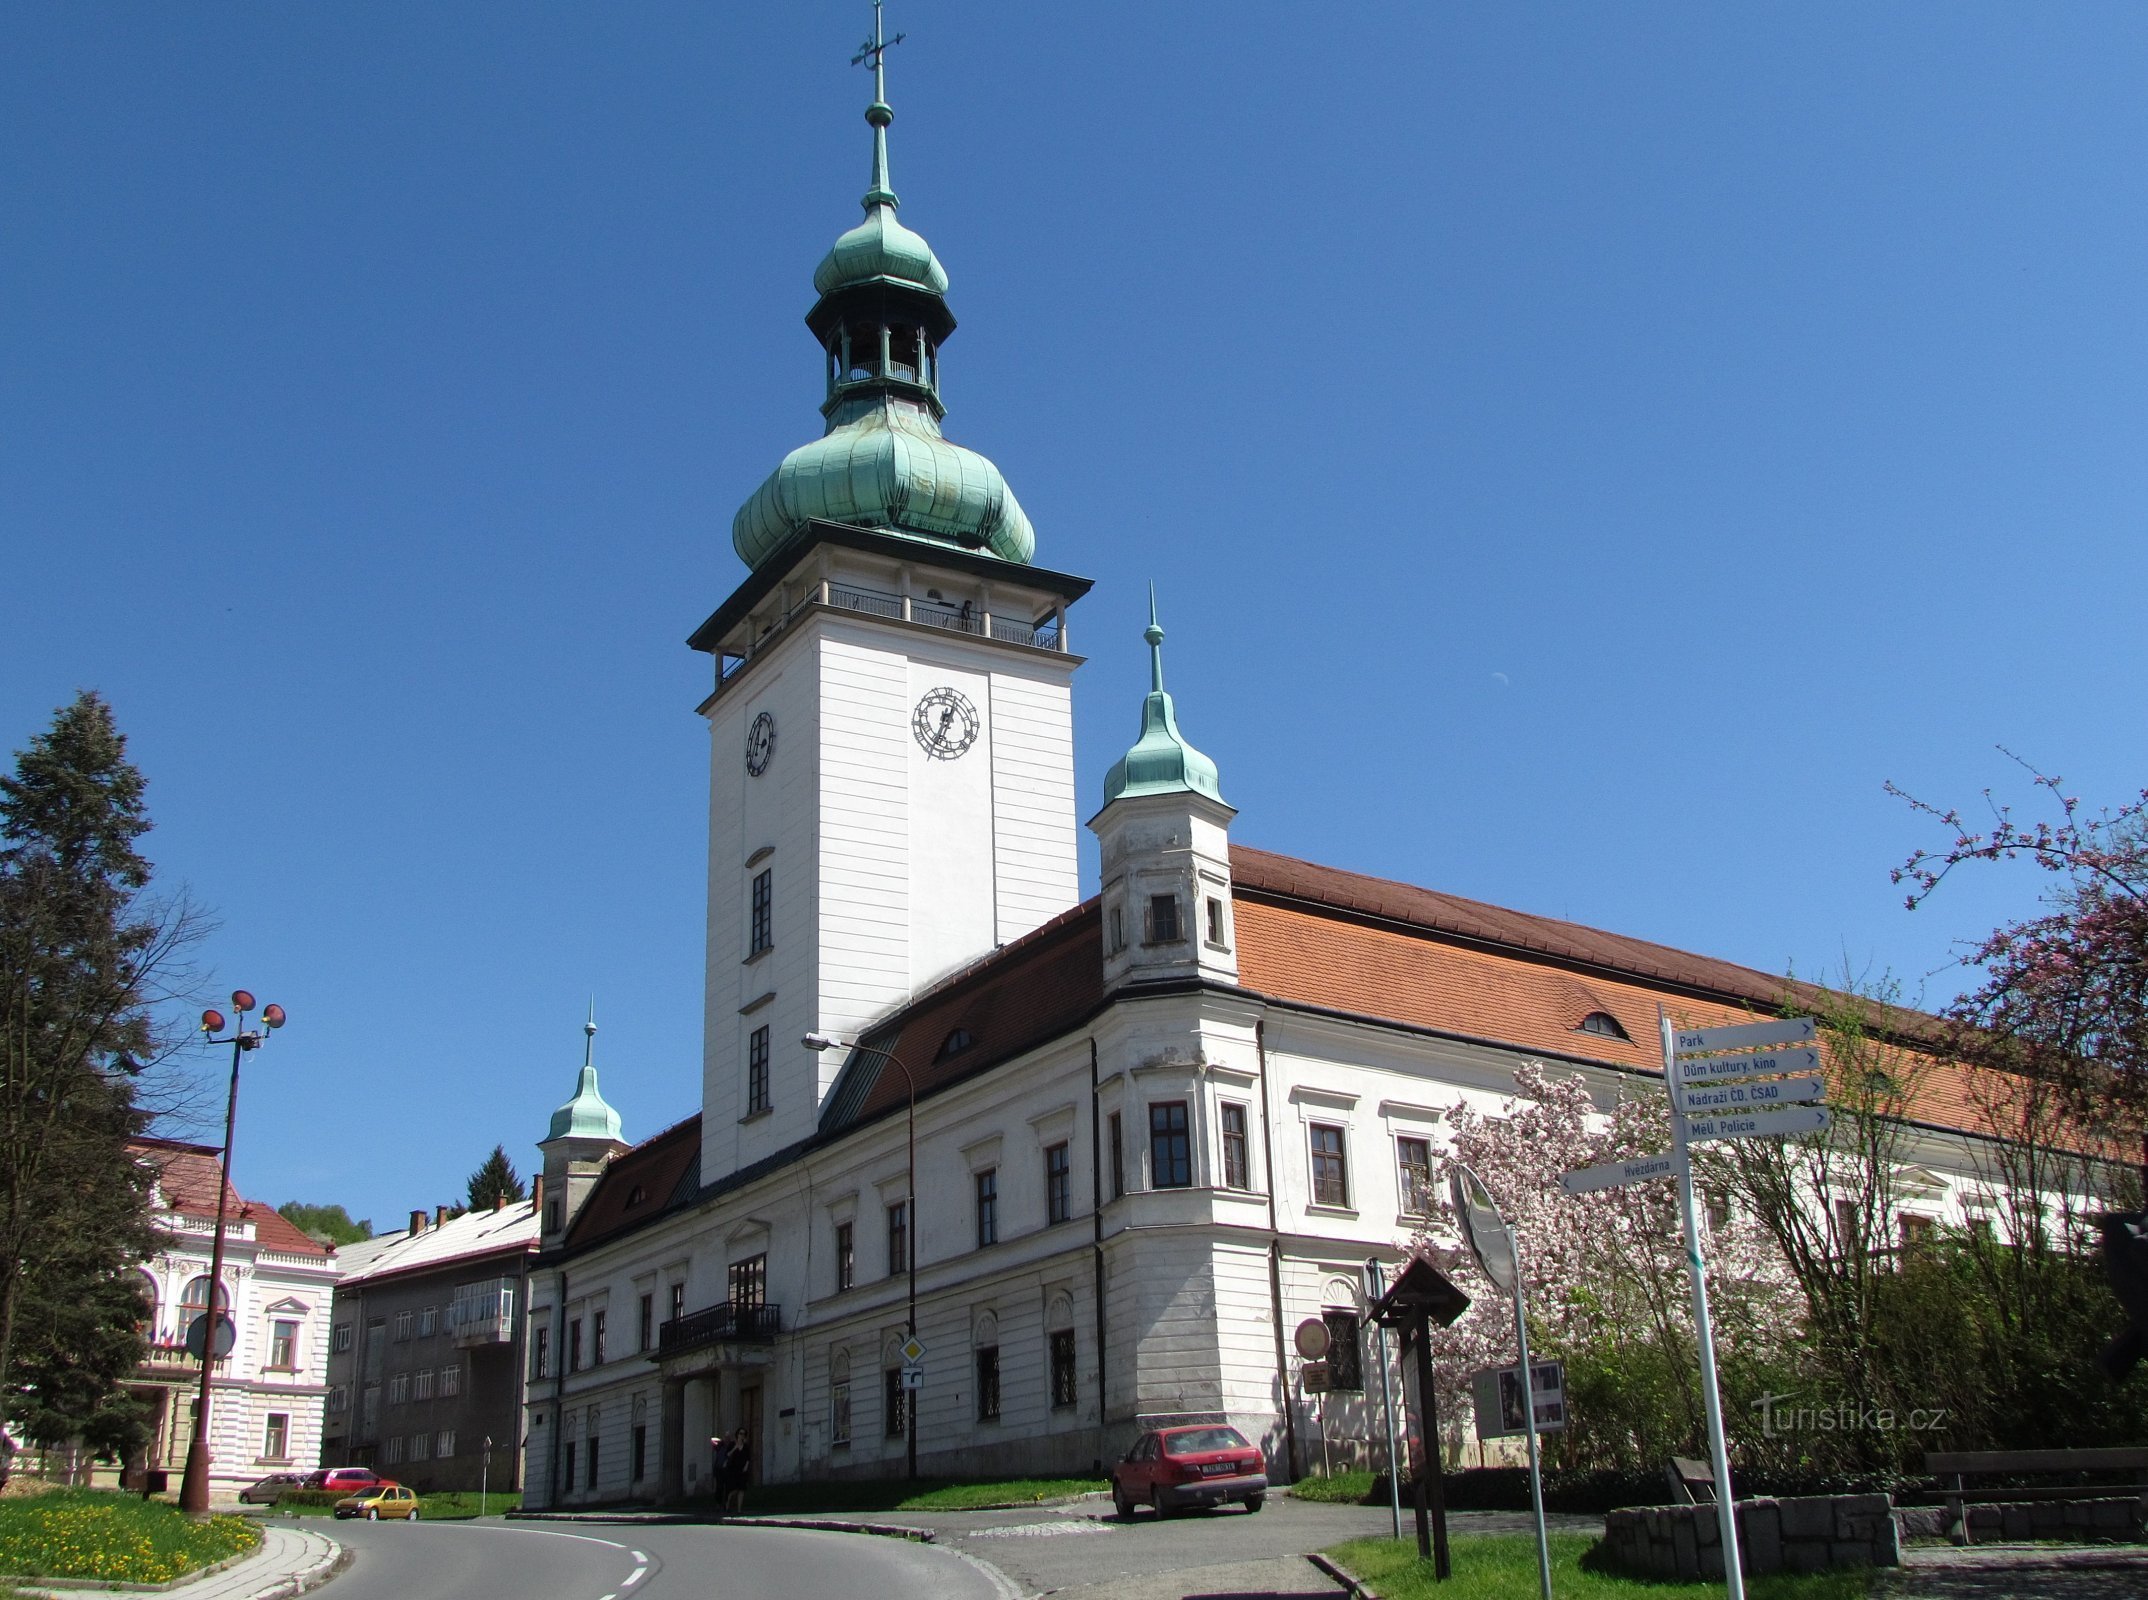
[870, 52]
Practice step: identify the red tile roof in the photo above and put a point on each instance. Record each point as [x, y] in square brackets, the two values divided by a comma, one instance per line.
[654, 1170]
[190, 1176]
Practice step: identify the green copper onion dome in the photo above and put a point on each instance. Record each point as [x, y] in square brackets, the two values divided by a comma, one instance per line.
[883, 463]
[1161, 761]
[586, 1116]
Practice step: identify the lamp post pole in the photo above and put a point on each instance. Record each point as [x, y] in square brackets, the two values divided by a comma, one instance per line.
[194, 1487]
[822, 1041]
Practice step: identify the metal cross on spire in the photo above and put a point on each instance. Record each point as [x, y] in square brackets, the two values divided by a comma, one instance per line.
[871, 52]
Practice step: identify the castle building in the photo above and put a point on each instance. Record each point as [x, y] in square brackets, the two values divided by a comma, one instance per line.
[1047, 1170]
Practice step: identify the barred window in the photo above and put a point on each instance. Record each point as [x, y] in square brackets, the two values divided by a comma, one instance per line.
[988, 1383]
[894, 1403]
[1062, 1369]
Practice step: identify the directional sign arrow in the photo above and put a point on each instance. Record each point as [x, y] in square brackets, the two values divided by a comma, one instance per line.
[1767, 1064]
[1760, 1124]
[1711, 1098]
[1746, 1035]
[1618, 1174]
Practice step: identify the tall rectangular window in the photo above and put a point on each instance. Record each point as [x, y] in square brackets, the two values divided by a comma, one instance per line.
[893, 1400]
[988, 1383]
[1058, 1184]
[749, 1281]
[898, 1237]
[1118, 1157]
[428, 1322]
[596, 1338]
[1062, 1344]
[763, 933]
[640, 1449]
[1331, 1177]
[846, 1257]
[839, 1413]
[276, 1436]
[645, 1324]
[1237, 1170]
[757, 1071]
[342, 1338]
[591, 1480]
[450, 1382]
[1170, 1151]
[987, 1207]
[567, 1461]
[574, 1345]
[678, 1301]
[1215, 922]
[1163, 919]
[1413, 1166]
[421, 1385]
[283, 1346]
[402, 1325]
[541, 1354]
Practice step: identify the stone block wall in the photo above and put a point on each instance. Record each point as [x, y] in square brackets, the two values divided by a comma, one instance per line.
[2117, 1520]
[1808, 1533]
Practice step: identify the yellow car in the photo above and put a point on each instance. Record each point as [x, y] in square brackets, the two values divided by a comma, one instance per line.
[381, 1500]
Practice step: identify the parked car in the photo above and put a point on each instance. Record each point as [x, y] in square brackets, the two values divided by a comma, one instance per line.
[1203, 1465]
[381, 1500]
[344, 1478]
[271, 1488]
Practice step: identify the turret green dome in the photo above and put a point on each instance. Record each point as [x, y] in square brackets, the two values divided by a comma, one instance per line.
[586, 1116]
[883, 462]
[880, 247]
[1161, 761]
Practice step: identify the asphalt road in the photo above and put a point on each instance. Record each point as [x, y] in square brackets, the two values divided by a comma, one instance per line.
[508, 1561]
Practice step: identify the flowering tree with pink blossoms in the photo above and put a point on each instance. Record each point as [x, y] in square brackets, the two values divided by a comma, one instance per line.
[1604, 1274]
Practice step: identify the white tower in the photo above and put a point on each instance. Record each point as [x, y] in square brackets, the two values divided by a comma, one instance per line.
[892, 777]
[583, 1138]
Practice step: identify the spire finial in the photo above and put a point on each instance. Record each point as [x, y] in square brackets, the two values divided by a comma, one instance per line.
[589, 1035]
[1154, 634]
[873, 53]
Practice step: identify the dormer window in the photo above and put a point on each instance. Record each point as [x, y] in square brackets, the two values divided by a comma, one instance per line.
[1603, 1024]
[954, 1044]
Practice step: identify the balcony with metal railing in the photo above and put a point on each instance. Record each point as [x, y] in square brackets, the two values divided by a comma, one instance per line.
[1046, 633]
[729, 1322]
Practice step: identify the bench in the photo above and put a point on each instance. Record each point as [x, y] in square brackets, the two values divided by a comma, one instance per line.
[1959, 1465]
[1693, 1482]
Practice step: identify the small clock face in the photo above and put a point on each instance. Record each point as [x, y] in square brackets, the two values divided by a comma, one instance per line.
[945, 723]
[760, 744]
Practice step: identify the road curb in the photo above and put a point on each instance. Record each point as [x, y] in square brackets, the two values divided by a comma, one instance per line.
[1354, 1586]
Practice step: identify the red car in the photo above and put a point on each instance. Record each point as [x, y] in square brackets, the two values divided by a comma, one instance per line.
[347, 1479]
[1204, 1465]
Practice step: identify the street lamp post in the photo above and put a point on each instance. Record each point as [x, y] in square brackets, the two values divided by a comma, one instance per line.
[822, 1041]
[194, 1487]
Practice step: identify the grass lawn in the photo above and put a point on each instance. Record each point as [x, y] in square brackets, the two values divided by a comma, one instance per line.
[1342, 1488]
[1503, 1567]
[928, 1494]
[103, 1533]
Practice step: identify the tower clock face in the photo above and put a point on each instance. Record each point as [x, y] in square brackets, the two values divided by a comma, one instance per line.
[760, 744]
[945, 723]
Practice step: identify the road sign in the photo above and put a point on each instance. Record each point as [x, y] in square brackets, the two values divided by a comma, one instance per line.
[1497, 1393]
[1746, 1035]
[1312, 1338]
[1484, 1230]
[1767, 1064]
[1313, 1377]
[913, 1378]
[1617, 1174]
[1709, 1099]
[1760, 1124]
[197, 1334]
[913, 1351]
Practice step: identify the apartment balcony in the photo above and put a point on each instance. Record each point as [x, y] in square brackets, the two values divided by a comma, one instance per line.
[483, 1313]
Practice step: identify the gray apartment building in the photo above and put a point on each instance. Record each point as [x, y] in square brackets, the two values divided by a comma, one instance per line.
[426, 1361]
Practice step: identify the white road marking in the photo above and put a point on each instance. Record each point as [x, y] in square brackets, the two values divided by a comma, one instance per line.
[549, 1533]
[638, 1556]
[607, 1597]
[636, 1577]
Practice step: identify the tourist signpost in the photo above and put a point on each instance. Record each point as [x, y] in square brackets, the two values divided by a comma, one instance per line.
[1736, 1082]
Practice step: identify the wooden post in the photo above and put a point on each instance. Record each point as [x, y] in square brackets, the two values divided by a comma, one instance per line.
[1431, 1495]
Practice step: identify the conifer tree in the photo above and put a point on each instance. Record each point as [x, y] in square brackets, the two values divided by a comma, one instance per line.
[495, 1180]
[83, 957]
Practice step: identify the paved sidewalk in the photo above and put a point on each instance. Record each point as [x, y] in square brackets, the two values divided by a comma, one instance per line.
[289, 1562]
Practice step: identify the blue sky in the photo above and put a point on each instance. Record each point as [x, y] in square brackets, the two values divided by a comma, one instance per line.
[1583, 452]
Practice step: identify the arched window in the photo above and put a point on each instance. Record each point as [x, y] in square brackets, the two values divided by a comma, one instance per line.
[1603, 1023]
[147, 1327]
[196, 1300]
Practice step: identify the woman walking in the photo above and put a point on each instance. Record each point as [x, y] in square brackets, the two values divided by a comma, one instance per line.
[737, 1472]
